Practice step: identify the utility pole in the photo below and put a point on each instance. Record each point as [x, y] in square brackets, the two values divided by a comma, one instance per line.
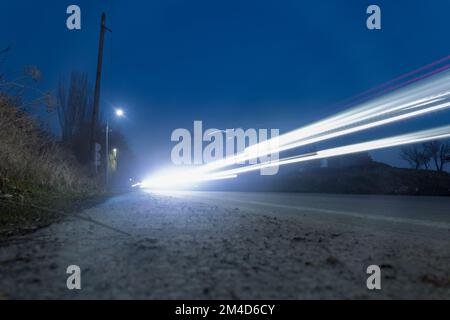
[95, 109]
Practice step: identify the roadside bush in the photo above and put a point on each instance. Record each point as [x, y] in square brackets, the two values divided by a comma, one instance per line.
[29, 156]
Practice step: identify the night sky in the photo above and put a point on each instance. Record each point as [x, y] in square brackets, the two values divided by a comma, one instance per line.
[230, 63]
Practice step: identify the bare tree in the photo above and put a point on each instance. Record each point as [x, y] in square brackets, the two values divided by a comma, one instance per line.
[415, 156]
[73, 105]
[444, 155]
[23, 86]
[439, 152]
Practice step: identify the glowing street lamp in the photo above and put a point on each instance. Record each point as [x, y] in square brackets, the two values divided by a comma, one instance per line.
[119, 113]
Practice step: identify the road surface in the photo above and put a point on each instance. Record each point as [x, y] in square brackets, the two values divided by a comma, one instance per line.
[223, 245]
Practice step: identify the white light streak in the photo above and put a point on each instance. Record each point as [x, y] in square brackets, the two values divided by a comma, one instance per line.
[426, 96]
[176, 179]
[411, 138]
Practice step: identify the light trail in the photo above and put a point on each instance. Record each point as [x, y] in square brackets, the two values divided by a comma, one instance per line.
[425, 96]
[399, 85]
[365, 126]
[368, 92]
[414, 97]
[169, 180]
[411, 138]
[410, 102]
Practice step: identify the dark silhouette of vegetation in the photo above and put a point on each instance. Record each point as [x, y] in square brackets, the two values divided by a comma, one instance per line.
[421, 155]
[29, 155]
[74, 108]
[438, 152]
[74, 113]
[73, 105]
[415, 156]
[37, 170]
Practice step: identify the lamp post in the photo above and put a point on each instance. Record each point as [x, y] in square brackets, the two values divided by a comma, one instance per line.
[119, 113]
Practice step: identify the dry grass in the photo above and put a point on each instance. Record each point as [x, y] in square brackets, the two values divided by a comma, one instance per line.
[30, 157]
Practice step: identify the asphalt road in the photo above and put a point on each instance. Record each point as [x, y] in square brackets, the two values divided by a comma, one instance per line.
[384, 213]
[222, 245]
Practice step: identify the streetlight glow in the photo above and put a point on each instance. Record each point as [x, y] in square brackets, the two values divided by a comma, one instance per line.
[120, 112]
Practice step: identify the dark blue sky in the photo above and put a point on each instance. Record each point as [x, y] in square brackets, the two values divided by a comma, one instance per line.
[230, 63]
